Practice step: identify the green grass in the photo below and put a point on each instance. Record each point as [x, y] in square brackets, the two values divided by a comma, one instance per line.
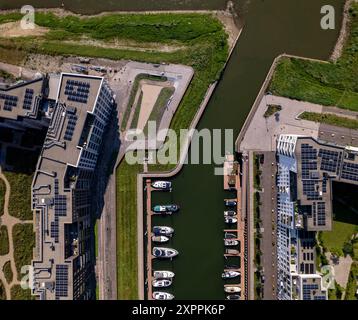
[17, 293]
[345, 224]
[137, 111]
[127, 255]
[351, 288]
[330, 119]
[8, 272]
[2, 196]
[24, 242]
[133, 94]
[331, 84]
[4, 241]
[2, 291]
[20, 196]
[271, 110]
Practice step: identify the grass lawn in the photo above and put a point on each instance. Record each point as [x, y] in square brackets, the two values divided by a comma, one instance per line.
[331, 84]
[345, 224]
[330, 119]
[2, 291]
[8, 272]
[127, 256]
[2, 196]
[24, 242]
[20, 196]
[17, 293]
[4, 241]
[351, 288]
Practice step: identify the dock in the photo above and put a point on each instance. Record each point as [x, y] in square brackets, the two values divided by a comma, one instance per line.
[149, 242]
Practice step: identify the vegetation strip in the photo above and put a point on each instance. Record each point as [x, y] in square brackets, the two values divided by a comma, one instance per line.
[331, 119]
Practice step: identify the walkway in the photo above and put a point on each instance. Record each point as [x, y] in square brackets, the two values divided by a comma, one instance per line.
[8, 221]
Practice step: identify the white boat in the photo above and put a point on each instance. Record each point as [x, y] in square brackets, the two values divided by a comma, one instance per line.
[229, 213]
[232, 289]
[230, 202]
[163, 274]
[230, 274]
[163, 283]
[161, 239]
[164, 253]
[231, 242]
[229, 236]
[157, 295]
[162, 185]
[162, 231]
[230, 220]
[233, 252]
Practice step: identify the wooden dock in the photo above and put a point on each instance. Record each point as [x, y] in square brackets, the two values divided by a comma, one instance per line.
[149, 242]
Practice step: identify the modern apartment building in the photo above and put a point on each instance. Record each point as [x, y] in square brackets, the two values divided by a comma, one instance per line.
[306, 169]
[63, 262]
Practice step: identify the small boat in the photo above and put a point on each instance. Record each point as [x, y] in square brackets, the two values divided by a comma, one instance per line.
[163, 231]
[161, 239]
[162, 185]
[163, 274]
[162, 296]
[165, 209]
[230, 220]
[230, 274]
[229, 213]
[233, 252]
[162, 283]
[231, 243]
[232, 289]
[230, 202]
[233, 297]
[164, 253]
[229, 236]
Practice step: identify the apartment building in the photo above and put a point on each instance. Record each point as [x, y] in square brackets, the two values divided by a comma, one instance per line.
[306, 169]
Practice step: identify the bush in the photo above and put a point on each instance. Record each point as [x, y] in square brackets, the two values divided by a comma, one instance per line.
[4, 241]
[8, 272]
[348, 249]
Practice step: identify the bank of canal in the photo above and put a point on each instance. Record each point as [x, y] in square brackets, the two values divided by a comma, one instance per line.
[271, 28]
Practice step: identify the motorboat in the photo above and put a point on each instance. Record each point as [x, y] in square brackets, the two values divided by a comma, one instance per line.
[231, 242]
[229, 236]
[230, 274]
[161, 239]
[230, 220]
[230, 202]
[163, 231]
[163, 274]
[165, 209]
[163, 283]
[233, 252]
[232, 289]
[229, 213]
[162, 185]
[164, 253]
[233, 297]
[157, 295]
[231, 266]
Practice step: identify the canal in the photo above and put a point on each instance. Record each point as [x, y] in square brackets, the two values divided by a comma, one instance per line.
[271, 27]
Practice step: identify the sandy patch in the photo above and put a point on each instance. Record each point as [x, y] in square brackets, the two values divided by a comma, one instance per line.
[13, 29]
[150, 97]
[342, 269]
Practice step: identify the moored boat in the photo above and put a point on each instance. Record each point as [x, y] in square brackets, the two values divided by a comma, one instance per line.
[163, 274]
[233, 252]
[165, 209]
[157, 295]
[162, 185]
[231, 242]
[233, 297]
[230, 236]
[163, 231]
[230, 202]
[230, 220]
[163, 283]
[164, 253]
[230, 274]
[229, 213]
[161, 239]
[232, 289]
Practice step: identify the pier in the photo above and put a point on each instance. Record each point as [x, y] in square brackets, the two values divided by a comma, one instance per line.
[149, 240]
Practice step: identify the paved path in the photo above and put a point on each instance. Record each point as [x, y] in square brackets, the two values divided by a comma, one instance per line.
[8, 221]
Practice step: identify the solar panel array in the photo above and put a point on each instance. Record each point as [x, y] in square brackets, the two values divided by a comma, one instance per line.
[77, 91]
[330, 160]
[29, 95]
[321, 213]
[307, 288]
[308, 160]
[350, 171]
[60, 204]
[71, 125]
[9, 101]
[61, 281]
